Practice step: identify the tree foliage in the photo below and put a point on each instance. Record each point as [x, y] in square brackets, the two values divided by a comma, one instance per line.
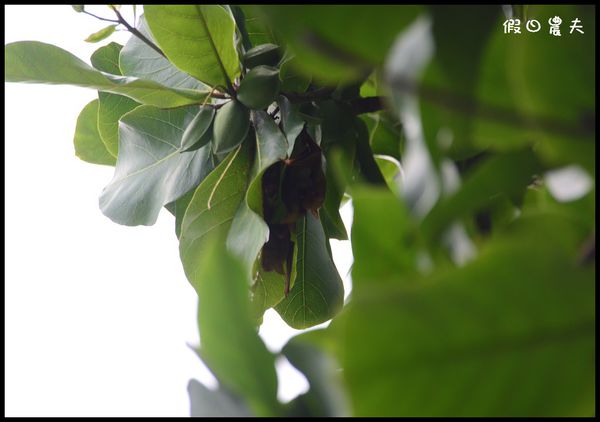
[473, 286]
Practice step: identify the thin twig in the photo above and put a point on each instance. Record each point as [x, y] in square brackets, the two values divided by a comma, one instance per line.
[137, 33]
[100, 18]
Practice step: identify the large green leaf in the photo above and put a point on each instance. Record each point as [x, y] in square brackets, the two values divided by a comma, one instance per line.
[256, 27]
[318, 293]
[37, 62]
[198, 39]
[512, 333]
[483, 187]
[454, 71]
[249, 232]
[142, 61]
[151, 171]
[230, 345]
[336, 43]
[87, 141]
[112, 106]
[211, 210]
[384, 240]
[326, 396]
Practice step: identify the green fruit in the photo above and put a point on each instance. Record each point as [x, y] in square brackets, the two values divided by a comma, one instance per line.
[230, 126]
[198, 133]
[264, 54]
[260, 87]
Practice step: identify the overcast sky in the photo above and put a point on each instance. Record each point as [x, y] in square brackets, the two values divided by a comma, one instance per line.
[97, 314]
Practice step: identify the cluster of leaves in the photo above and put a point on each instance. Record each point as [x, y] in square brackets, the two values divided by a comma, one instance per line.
[473, 288]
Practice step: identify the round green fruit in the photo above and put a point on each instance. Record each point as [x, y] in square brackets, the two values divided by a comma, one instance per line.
[259, 88]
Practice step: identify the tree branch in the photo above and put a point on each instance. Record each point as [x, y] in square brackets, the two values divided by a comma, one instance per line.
[137, 33]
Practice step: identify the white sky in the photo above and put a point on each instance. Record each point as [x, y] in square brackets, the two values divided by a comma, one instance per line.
[97, 314]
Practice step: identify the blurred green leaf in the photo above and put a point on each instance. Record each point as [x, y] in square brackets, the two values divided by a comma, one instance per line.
[507, 174]
[102, 34]
[78, 7]
[291, 79]
[230, 345]
[326, 397]
[198, 39]
[87, 141]
[214, 403]
[384, 242]
[510, 334]
[385, 135]
[339, 43]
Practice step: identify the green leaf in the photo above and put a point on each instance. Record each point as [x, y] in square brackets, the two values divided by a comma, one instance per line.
[150, 170]
[112, 106]
[391, 169]
[102, 34]
[249, 232]
[291, 121]
[78, 7]
[326, 397]
[199, 131]
[230, 345]
[256, 27]
[264, 54]
[37, 62]
[231, 126]
[267, 291]
[511, 333]
[259, 87]
[214, 403]
[483, 187]
[106, 58]
[212, 208]
[178, 207]
[198, 39]
[383, 237]
[292, 80]
[339, 43]
[385, 135]
[142, 61]
[87, 141]
[318, 292]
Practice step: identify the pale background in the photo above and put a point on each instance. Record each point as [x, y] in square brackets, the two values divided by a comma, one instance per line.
[98, 315]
